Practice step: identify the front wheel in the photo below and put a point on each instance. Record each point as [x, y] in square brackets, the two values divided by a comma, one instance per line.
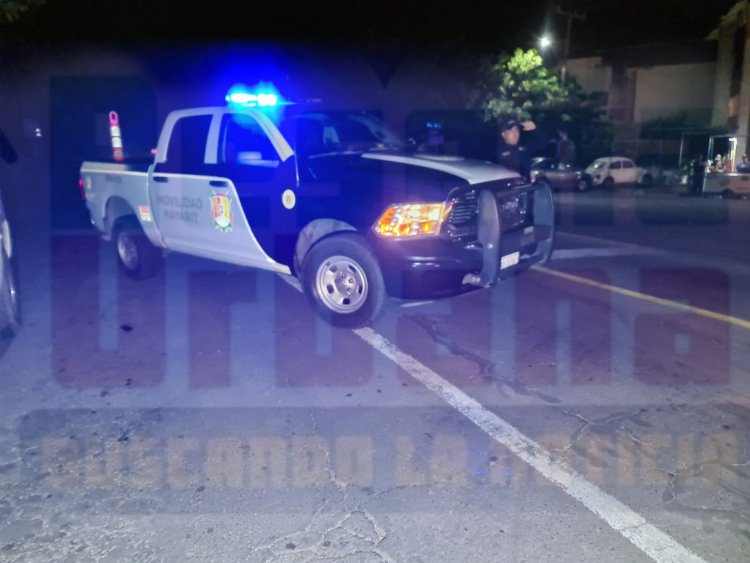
[138, 258]
[342, 280]
[583, 184]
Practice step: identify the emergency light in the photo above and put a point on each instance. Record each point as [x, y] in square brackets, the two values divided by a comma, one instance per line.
[239, 95]
[252, 100]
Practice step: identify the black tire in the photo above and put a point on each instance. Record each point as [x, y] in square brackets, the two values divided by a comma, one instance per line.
[583, 184]
[138, 258]
[10, 311]
[608, 183]
[343, 281]
[727, 194]
[647, 181]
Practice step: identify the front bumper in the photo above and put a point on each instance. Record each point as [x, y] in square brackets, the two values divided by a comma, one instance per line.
[437, 266]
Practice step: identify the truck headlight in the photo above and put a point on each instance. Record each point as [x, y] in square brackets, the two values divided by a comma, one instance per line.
[412, 219]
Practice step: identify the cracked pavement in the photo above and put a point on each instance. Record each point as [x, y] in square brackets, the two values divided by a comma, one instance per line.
[268, 436]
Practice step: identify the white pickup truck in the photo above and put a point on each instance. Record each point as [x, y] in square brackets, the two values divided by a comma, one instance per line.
[331, 197]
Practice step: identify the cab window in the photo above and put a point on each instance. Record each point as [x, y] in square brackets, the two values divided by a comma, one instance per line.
[627, 164]
[616, 165]
[245, 148]
[187, 145]
[245, 143]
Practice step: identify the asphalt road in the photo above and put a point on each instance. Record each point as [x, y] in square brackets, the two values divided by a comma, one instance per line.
[594, 410]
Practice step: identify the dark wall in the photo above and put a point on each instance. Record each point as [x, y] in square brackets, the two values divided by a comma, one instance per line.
[79, 130]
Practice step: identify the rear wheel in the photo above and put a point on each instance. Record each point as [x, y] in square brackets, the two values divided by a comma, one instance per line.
[10, 312]
[342, 280]
[138, 258]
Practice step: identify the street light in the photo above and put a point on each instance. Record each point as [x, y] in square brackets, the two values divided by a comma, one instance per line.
[545, 41]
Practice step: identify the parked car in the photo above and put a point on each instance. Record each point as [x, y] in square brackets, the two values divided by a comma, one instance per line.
[9, 310]
[558, 175]
[665, 173]
[611, 170]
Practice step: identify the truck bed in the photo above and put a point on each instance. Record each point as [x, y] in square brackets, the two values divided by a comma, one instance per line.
[128, 165]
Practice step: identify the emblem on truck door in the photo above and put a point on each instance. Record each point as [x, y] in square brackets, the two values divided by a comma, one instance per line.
[288, 199]
[221, 211]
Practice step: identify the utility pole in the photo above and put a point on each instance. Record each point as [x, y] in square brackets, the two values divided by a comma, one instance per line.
[571, 16]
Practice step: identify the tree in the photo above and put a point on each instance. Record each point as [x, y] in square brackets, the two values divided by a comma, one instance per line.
[521, 87]
[12, 10]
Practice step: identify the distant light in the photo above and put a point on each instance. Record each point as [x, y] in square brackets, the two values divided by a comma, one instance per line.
[545, 41]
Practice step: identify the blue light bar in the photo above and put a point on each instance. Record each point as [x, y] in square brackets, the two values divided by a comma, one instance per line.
[241, 96]
[252, 100]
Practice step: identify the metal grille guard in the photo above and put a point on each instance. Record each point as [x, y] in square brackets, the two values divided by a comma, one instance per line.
[489, 230]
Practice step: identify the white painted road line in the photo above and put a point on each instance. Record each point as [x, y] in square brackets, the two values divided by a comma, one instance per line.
[658, 545]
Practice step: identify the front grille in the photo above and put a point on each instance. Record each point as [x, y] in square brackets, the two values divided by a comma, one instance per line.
[515, 212]
[464, 210]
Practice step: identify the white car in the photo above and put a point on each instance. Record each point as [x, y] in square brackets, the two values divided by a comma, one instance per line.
[9, 310]
[611, 170]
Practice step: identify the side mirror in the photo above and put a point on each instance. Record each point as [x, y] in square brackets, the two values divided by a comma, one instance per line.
[255, 158]
[248, 157]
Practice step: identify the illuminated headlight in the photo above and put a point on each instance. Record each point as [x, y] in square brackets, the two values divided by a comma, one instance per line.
[412, 219]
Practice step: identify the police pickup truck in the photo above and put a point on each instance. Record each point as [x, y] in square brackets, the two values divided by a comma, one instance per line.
[334, 198]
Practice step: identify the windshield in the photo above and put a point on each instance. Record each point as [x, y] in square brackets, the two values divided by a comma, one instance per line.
[324, 133]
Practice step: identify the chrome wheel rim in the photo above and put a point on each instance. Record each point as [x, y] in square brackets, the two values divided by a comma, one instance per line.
[341, 284]
[127, 251]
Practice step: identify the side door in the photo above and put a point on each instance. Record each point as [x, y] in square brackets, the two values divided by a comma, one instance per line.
[196, 204]
[629, 171]
[257, 165]
[615, 170]
[178, 185]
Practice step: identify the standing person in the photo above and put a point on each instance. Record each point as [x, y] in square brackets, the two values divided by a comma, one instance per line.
[744, 165]
[699, 169]
[511, 153]
[566, 149]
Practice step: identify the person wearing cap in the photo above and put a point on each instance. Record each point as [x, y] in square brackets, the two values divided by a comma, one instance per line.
[511, 153]
[718, 164]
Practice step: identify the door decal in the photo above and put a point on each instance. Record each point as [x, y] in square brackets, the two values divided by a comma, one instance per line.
[221, 211]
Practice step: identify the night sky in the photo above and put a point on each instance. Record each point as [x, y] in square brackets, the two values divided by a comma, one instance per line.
[483, 26]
